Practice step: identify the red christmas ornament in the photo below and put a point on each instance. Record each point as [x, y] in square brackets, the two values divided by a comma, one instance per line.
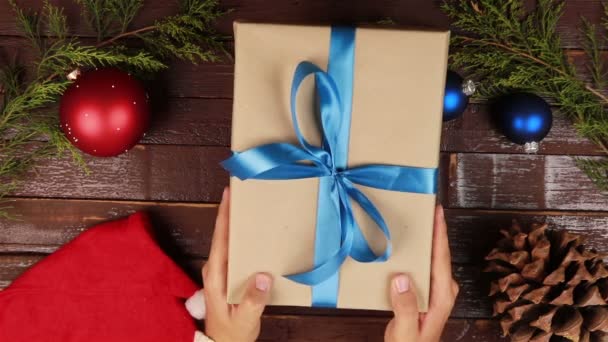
[104, 112]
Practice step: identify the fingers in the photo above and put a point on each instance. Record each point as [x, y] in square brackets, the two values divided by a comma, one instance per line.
[256, 297]
[215, 270]
[443, 287]
[441, 259]
[404, 327]
[442, 282]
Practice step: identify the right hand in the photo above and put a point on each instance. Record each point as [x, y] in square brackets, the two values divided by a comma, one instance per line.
[409, 325]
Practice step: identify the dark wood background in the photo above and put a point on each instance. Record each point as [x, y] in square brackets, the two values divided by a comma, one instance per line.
[174, 173]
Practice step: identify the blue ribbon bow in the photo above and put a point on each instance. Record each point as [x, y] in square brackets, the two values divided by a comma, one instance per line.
[337, 233]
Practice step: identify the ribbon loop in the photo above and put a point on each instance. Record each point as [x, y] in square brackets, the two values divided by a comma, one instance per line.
[338, 235]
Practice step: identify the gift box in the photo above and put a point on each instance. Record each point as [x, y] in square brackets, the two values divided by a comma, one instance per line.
[335, 174]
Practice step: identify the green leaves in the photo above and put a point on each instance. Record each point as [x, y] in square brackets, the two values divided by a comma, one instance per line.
[509, 49]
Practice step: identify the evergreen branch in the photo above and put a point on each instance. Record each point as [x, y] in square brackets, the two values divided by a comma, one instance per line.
[509, 49]
[24, 115]
[71, 55]
[96, 14]
[125, 35]
[55, 20]
[29, 25]
[123, 11]
[593, 50]
[597, 171]
[536, 60]
[10, 81]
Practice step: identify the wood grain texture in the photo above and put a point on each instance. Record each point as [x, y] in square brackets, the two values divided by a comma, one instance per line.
[174, 174]
[203, 80]
[186, 228]
[192, 106]
[277, 326]
[206, 122]
[280, 325]
[360, 329]
[11, 266]
[147, 172]
[412, 13]
[501, 181]
[193, 174]
[472, 300]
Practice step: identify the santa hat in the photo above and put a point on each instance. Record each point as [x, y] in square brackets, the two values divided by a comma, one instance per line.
[112, 283]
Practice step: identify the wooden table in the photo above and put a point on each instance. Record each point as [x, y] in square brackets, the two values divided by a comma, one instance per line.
[174, 173]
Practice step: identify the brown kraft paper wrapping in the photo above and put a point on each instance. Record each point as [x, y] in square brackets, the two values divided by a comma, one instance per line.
[399, 81]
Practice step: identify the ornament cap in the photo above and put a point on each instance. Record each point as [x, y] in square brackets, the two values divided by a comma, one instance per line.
[72, 76]
[531, 147]
[469, 87]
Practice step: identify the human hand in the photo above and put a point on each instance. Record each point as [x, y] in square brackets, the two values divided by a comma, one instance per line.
[224, 322]
[410, 325]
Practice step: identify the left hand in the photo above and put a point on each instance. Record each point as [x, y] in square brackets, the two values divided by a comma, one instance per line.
[224, 322]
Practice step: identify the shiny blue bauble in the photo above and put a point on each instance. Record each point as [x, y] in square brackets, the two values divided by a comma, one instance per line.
[455, 100]
[523, 117]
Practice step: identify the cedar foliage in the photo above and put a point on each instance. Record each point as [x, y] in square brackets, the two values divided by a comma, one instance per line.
[29, 125]
[508, 48]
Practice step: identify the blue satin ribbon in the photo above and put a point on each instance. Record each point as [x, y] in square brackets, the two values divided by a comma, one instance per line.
[337, 233]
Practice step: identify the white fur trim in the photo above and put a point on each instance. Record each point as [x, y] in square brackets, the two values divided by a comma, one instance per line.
[200, 337]
[196, 305]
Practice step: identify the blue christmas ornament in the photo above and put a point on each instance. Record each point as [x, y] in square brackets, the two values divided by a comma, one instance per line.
[523, 118]
[456, 96]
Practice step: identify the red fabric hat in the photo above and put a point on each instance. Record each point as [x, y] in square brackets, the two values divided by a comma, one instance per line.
[111, 284]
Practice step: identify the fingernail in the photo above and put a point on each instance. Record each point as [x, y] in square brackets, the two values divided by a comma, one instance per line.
[262, 282]
[402, 283]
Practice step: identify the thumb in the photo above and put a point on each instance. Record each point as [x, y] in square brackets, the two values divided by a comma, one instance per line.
[256, 296]
[404, 326]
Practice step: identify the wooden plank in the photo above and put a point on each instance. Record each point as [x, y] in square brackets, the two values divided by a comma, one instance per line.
[289, 330]
[180, 79]
[475, 131]
[364, 329]
[43, 225]
[11, 266]
[472, 301]
[187, 121]
[521, 181]
[206, 80]
[193, 174]
[195, 121]
[413, 13]
[472, 233]
[278, 326]
[207, 122]
[186, 229]
[147, 172]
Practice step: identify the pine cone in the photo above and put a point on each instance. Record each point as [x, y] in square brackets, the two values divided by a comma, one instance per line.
[547, 286]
